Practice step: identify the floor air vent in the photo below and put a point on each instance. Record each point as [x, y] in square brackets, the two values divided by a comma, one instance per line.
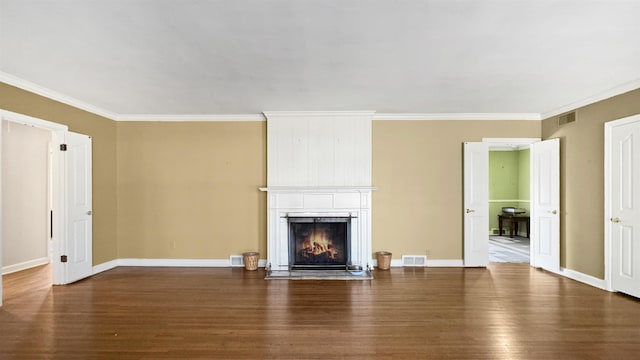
[414, 260]
[236, 260]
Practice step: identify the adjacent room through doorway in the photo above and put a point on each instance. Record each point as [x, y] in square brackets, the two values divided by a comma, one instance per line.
[26, 202]
[509, 204]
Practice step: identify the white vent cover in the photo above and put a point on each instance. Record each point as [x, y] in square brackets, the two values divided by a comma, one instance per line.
[414, 260]
[236, 260]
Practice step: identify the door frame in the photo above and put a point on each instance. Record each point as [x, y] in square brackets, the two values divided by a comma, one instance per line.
[608, 132]
[57, 196]
[504, 143]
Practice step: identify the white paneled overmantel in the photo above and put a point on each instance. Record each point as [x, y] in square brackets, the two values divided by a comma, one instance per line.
[319, 148]
[318, 165]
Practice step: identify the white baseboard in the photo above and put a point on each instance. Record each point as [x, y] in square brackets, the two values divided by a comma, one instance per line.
[445, 263]
[105, 266]
[24, 265]
[168, 263]
[584, 278]
[430, 263]
[175, 262]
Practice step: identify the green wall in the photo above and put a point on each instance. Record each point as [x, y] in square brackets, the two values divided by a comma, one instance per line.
[508, 182]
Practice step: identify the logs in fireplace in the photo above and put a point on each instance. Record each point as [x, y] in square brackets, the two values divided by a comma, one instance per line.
[319, 242]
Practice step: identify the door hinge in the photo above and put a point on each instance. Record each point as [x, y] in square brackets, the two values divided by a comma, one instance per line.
[63, 147]
[63, 258]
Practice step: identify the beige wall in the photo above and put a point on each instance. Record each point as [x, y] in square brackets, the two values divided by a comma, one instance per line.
[25, 208]
[417, 166]
[582, 180]
[190, 189]
[103, 132]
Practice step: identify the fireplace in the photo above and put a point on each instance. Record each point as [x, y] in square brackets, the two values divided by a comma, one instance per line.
[332, 227]
[319, 190]
[319, 242]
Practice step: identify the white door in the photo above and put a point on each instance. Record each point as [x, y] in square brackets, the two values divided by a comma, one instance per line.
[476, 204]
[77, 182]
[623, 195]
[545, 204]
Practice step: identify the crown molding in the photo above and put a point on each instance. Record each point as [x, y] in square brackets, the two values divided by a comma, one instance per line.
[618, 90]
[185, 118]
[54, 95]
[457, 116]
[68, 100]
[366, 113]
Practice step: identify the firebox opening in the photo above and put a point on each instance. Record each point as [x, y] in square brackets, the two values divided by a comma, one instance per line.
[319, 243]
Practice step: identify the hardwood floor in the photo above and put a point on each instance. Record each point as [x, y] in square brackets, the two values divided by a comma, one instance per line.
[508, 311]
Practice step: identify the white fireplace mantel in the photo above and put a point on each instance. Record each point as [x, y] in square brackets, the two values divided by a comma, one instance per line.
[285, 202]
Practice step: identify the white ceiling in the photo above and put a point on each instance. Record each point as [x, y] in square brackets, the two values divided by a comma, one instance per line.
[131, 57]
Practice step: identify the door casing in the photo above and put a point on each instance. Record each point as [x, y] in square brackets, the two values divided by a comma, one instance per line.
[505, 143]
[58, 132]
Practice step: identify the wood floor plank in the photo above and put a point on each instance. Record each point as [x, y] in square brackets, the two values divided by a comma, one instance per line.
[508, 311]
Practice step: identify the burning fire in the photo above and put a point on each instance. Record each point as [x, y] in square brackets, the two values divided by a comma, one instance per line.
[319, 243]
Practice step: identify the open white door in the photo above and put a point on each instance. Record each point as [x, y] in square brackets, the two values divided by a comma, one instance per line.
[545, 204]
[476, 204]
[77, 182]
[623, 197]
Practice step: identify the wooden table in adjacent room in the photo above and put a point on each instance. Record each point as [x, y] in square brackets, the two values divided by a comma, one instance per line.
[513, 221]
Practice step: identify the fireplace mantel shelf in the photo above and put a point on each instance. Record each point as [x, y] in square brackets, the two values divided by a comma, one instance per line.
[307, 189]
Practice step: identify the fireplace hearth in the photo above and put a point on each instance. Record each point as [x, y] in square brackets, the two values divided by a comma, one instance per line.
[319, 242]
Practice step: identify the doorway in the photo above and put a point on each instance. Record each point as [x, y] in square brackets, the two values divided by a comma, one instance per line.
[70, 200]
[544, 202]
[26, 198]
[509, 204]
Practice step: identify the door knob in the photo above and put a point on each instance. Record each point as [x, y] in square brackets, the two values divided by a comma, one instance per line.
[554, 212]
[470, 211]
[615, 220]
[89, 212]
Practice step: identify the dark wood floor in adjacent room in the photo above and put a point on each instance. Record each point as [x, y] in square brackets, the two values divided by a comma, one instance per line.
[508, 311]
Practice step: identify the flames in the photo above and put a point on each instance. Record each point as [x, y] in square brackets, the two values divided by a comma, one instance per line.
[319, 243]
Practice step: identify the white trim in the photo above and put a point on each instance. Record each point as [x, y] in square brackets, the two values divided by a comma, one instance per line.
[430, 263]
[181, 262]
[618, 90]
[608, 129]
[24, 265]
[320, 189]
[295, 114]
[457, 116]
[445, 263]
[509, 144]
[54, 95]
[584, 278]
[58, 241]
[105, 266]
[194, 118]
[31, 121]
